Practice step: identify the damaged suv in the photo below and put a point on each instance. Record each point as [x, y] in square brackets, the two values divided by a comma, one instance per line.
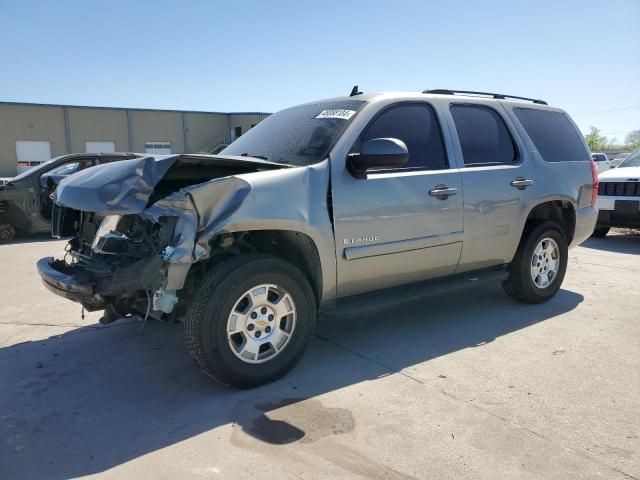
[338, 205]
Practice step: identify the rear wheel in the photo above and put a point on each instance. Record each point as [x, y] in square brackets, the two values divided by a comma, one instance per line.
[600, 232]
[251, 320]
[539, 265]
[7, 232]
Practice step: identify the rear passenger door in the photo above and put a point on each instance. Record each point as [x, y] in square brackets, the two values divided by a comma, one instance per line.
[497, 179]
[391, 227]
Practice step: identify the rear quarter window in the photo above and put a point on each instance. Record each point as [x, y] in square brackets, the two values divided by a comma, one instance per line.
[553, 135]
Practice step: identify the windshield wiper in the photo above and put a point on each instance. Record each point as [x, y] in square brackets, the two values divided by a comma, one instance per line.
[261, 157]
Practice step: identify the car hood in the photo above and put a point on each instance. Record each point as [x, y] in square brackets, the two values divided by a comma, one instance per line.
[620, 174]
[126, 187]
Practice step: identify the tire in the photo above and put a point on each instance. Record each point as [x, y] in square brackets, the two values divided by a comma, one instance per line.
[520, 284]
[600, 232]
[231, 285]
[7, 232]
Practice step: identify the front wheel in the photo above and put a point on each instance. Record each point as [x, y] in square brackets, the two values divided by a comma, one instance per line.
[539, 266]
[7, 232]
[251, 320]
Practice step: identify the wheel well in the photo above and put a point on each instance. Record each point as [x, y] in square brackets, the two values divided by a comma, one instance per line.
[558, 211]
[294, 247]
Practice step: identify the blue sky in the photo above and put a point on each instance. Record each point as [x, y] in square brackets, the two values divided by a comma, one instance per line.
[583, 56]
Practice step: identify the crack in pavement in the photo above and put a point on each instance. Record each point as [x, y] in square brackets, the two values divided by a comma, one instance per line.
[603, 265]
[588, 456]
[20, 324]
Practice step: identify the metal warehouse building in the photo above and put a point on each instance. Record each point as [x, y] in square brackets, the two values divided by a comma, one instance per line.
[33, 133]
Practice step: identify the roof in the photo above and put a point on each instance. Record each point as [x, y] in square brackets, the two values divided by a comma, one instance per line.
[368, 97]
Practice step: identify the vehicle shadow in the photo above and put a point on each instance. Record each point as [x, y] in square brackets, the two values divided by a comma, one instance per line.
[33, 238]
[624, 242]
[95, 398]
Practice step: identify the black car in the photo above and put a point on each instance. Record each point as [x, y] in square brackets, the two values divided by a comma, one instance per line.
[25, 200]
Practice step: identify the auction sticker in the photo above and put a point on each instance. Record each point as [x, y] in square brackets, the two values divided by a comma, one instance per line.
[337, 113]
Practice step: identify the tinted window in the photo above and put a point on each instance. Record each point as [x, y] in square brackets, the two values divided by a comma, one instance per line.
[483, 135]
[599, 157]
[417, 126]
[553, 134]
[297, 136]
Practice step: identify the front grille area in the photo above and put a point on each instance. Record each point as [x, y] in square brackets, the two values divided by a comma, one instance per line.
[619, 189]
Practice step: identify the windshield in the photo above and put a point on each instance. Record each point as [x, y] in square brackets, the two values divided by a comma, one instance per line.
[632, 160]
[297, 136]
[66, 169]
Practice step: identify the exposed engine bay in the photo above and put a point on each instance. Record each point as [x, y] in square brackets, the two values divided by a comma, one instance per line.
[137, 227]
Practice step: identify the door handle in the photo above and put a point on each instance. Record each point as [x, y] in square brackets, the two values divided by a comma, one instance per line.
[442, 191]
[521, 183]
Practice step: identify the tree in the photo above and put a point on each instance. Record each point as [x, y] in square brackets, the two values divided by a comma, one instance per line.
[633, 139]
[595, 140]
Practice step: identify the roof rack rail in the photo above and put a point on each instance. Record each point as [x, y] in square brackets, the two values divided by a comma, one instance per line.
[499, 96]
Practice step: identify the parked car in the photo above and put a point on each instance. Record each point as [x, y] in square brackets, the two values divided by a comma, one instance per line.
[602, 161]
[339, 205]
[619, 196]
[25, 203]
[617, 160]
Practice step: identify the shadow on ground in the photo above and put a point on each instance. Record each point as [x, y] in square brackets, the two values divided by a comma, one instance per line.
[94, 398]
[33, 238]
[626, 242]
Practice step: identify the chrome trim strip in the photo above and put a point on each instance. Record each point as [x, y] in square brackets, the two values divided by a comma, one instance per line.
[399, 246]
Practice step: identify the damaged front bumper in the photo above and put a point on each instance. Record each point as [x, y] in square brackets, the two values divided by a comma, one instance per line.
[97, 290]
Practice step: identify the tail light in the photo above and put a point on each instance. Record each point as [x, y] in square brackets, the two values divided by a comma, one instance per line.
[594, 178]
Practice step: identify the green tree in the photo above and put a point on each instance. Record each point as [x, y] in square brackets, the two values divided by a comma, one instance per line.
[633, 139]
[595, 140]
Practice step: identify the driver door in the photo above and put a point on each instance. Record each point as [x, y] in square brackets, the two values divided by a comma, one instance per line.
[392, 227]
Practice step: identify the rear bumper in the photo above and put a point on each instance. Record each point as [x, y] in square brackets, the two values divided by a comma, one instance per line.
[585, 224]
[75, 284]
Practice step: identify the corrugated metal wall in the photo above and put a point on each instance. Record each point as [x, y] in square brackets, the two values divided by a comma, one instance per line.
[68, 129]
[26, 122]
[245, 121]
[206, 131]
[98, 125]
[147, 126]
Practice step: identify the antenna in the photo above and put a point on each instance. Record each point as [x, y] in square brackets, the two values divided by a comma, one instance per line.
[354, 91]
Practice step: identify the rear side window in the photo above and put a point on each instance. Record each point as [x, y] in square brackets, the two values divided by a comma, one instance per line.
[483, 135]
[553, 134]
[417, 126]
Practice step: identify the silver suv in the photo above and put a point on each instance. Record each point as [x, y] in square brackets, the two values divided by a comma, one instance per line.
[339, 205]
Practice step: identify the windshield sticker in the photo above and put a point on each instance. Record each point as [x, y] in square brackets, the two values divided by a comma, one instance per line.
[337, 113]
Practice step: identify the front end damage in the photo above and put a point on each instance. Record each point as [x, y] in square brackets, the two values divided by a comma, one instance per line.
[137, 227]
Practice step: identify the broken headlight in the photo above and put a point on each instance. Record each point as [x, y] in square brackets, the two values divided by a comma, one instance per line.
[108, 239]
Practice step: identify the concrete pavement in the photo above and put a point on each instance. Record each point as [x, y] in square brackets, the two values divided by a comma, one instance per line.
[460, 386]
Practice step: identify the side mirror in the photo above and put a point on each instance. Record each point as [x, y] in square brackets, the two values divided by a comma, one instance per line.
[378, 153]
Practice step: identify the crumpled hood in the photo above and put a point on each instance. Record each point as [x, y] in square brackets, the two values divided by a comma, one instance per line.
[620, 174]
[117, 188]
[124, 187]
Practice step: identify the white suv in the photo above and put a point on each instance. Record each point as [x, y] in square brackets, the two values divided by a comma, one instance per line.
[619, 196]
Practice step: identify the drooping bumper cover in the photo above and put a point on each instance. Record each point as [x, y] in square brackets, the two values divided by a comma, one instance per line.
[76, 285]
[75, 282]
